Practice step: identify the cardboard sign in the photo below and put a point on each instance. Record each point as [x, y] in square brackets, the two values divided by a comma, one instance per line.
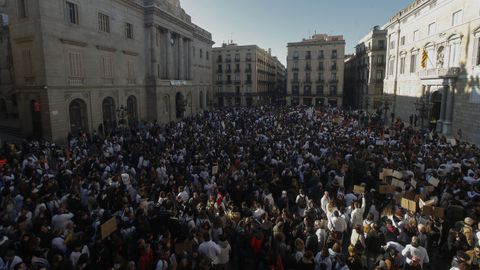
[381, 176]
[433, 181]
[422, 203]
[215, 169]
[409, 205]
[398, 183]
[358, 189]
[387, 172]
[433, 211]
[452, 142]
[397, 174]
[430, 188]
[386, 189]
[108, 227]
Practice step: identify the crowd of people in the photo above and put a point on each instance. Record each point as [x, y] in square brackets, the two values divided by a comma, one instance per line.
[244, 188]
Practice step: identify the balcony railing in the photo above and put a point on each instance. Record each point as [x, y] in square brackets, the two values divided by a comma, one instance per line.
[228, 82]
[248, 59]
[320, 81]
[308, 57]
[294, 68]
[321, 56]
[320, 68]
[228, 60]
[228, 71]
[236, 70]
[382, 64]
[248, 81]
[451, 72]
[308, 81]
[248, 70]
[237, 82]
[75, 80]
[219, 82]
[308, 68]
[131, 81]
[295, 93]
[334, 56]
[333, 81]
[237, 59]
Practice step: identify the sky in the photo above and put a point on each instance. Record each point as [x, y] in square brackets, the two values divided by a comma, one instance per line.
[274, 23]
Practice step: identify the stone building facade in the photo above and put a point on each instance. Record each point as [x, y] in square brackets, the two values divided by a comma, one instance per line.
[90, 65]
[315, 71]
[446, 34]
[280, 82]
[244, 75]
[365, 71]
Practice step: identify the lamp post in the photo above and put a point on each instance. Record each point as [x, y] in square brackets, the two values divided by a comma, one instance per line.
[121, 114]
[423, 107]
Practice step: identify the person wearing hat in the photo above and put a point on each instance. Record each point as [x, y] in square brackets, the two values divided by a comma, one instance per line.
[467, 230]
[415, 254]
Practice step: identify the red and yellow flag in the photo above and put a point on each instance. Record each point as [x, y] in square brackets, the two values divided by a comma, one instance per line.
[424, 59]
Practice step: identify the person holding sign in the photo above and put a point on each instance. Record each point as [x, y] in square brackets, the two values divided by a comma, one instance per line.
[415, 254]
[357, 213]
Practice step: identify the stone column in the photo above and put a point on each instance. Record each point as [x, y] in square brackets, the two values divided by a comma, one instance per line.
[168, 55]
[154, 51]
[189, 62]
[181, 59]
[447, 124]
[442, 109]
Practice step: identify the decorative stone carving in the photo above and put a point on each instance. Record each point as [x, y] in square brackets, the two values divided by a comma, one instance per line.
[440, 57]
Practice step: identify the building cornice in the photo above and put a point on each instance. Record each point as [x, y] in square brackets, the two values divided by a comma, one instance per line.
[132, 53]
[23, 39]
[73, 42]
[106, 48]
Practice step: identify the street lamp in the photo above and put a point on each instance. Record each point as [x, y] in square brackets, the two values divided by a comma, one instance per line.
[121, 114]
[423, 107]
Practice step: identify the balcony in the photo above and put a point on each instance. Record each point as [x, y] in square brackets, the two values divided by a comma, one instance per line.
[294, 68]
[248, 70]
[295, 57]
[378, 81]
[295, 93]
[236, 70]
[219, 70]
[321, 57]
[333, 68]
[308, 68]
[308, 81]
[219, 82]
[308, 57]
[320, 81]
[295, 81]
[219, 60]
[382, 64]
[76, 80]
[228, 60]
[228, 70]
[451, 72]
[248, 59]
[248, 82]
[320, 68]
[228, 82]
[237, 82]
[131, 81]
[334, 56]
[237, 59]
[333, 81]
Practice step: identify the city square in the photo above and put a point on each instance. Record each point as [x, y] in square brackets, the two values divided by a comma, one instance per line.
[131, 138]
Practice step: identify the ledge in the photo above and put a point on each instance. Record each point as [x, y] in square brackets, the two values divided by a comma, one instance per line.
[73, 42]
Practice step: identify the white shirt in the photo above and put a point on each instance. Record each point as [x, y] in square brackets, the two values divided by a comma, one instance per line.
[357, 215]
[409, 251]
[210, 249]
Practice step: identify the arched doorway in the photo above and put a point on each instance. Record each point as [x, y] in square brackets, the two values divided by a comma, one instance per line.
[109, 118]
[201, 100]
[132, 111]
[436, 100]
[180, 103]
[78, 116]
[36, 115]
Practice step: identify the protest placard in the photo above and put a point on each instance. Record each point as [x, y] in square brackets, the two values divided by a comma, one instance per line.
[452, 141]
[409, 205]
[358, 189]
[429, 188]
[387, 172]
[215, 169]
[108, 227]
[381, 176]
[397, 174]
[436, 212]
[433, 181]
[422, 203]
[398, 183]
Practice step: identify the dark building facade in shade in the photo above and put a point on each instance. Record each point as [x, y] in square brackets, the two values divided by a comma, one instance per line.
[89, 65]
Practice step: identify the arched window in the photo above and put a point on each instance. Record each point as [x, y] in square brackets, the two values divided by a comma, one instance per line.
[454, 43]
[78, 116]
[132, 110]
[108, 109]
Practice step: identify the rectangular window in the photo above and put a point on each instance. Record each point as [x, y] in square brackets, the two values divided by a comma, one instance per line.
[219, 77]
[380, 59]
[103, 23]
[402, 40]
[416, 35]
[457, 17]
[381, 44]
[295, 55]
[402, 65]
[106, 66]
[27, 62]
[379, 75]
[207, 55]
[295, 76]
[308, 55]
[129, 30]
[75, 64]
[72, 13]
[413, 63]
[391, 63]
[131, 70]
[478, 52]
[201, 53]
[431, 29]
[334, 54]
[320, 54]
[22, 8]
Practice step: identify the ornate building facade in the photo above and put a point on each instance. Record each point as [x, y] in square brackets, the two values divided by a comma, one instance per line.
[91, 65]
[433, 60]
